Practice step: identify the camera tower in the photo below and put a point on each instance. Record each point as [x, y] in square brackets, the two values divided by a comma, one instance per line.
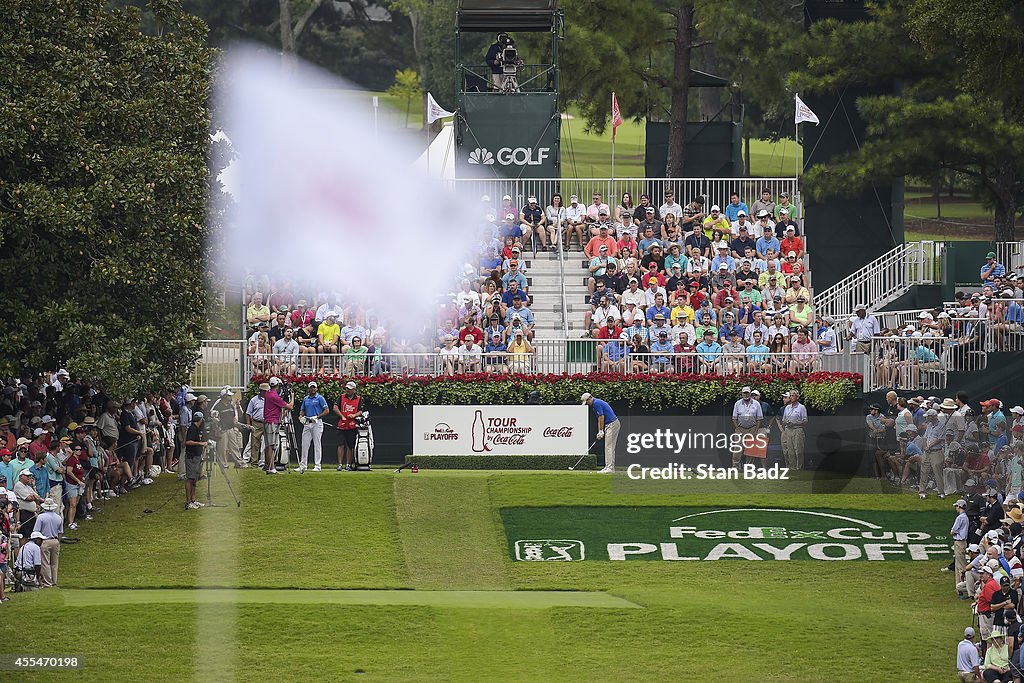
[508, 124]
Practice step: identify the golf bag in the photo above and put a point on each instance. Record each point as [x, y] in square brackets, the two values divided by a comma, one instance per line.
[363, 452]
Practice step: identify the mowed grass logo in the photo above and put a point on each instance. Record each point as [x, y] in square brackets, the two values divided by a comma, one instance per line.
[728, 533]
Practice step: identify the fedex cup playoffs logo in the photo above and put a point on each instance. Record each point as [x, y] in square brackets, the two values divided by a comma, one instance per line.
[509, 156]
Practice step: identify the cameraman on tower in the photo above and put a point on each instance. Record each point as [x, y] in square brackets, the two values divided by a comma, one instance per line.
[503, 57]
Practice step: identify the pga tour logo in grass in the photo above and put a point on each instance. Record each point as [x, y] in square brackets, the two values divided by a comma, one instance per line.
[740, 533]
[499, 430]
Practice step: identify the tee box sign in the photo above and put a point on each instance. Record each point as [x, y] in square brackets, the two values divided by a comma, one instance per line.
[499, 430]
[567, 534]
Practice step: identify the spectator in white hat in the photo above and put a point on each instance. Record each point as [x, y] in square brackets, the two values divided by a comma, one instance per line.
[575, 215]
[532, 221]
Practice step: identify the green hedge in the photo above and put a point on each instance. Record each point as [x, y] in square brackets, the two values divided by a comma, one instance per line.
[501, 462]
[825, 392]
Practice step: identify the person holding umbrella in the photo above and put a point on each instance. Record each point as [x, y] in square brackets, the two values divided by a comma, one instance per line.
[607, 429]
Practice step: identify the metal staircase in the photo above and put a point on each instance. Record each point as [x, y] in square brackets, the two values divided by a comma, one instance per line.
[884, 280]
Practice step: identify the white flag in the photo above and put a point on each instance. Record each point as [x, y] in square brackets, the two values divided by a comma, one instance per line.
[435, 111]
[314, 192]
[804, 113]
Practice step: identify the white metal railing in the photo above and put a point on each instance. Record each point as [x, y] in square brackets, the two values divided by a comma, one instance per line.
[883, 280]
[1011, 255]
[897, 364]
[221, 363]
[555, 356]
[714, 190]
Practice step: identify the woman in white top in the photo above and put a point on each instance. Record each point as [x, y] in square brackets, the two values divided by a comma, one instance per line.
[555, 214]
[624, 212]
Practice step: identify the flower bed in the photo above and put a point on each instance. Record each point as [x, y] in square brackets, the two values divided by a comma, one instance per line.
[822, 391]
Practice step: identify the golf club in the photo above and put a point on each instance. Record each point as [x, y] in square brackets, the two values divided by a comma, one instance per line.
[572, 467]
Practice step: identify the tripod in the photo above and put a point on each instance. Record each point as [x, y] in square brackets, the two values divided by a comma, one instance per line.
[209, 460]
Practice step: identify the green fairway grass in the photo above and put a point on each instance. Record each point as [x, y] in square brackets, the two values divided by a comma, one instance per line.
[433, 581]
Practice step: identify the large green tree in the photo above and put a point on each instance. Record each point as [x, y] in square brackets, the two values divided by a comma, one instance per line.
[954, 69]
[104, 140]
[644, 50]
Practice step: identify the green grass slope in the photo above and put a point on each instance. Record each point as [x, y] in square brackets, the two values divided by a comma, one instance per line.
[728, 620]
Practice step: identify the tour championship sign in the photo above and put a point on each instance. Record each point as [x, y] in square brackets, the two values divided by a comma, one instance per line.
[499, 430]
[574, 534]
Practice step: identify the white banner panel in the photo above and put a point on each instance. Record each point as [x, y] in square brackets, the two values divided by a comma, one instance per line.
[499, 430]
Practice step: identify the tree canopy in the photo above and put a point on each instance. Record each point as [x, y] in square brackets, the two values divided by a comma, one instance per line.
[951, 68]
[104, 139]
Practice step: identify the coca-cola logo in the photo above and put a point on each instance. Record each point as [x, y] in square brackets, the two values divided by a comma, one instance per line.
[558, 432]
[508, 439]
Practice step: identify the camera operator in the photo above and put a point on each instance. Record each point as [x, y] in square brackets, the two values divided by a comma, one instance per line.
[194, 446]
[228, 415]
[273, 405]
[501, 54]
[348, 406]
[314, 407]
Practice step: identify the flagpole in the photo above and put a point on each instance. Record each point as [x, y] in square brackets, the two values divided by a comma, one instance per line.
[796, 199]
[613, 140]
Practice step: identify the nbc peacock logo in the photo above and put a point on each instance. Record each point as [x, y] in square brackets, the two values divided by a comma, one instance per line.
[481, 155]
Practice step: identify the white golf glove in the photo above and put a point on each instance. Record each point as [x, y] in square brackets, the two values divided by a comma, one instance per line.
[600, 435]
[302, 419]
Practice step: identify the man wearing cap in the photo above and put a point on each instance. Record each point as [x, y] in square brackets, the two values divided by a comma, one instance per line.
[607, 429]
[716, 221]
[254, 419]
[934, 446]
[575, 215]
[30, 559]
[348, 406]
[273, 407]
[225, 414]
[746, 416]
[311, 413]
[28, 500]
[603, 238]
[959, 532]
[195, 443]
[792, 421]
[968, 661]
[991, 269]
[51, 526]
[531, 219]
[863, 327]
[21, 461]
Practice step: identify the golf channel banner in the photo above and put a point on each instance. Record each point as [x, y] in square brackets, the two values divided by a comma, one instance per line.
[574, 534]
[499, 430]
[508, 136]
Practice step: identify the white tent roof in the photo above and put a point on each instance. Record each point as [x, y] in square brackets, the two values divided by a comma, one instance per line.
[439, 159]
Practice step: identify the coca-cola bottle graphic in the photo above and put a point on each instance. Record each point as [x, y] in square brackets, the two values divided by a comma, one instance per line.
[480, 444]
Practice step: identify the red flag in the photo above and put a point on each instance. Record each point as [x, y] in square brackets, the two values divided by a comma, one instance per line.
[616, 115]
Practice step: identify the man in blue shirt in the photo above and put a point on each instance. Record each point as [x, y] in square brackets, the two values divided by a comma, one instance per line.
[766, 242]
[733, 208]
[660, 350]
[607, 429]
[958, 533]
[314, 407]
[992, 270]
[709, 353]
[615, 356]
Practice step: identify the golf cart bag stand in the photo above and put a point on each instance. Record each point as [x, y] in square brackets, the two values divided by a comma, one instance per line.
[363, 452]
